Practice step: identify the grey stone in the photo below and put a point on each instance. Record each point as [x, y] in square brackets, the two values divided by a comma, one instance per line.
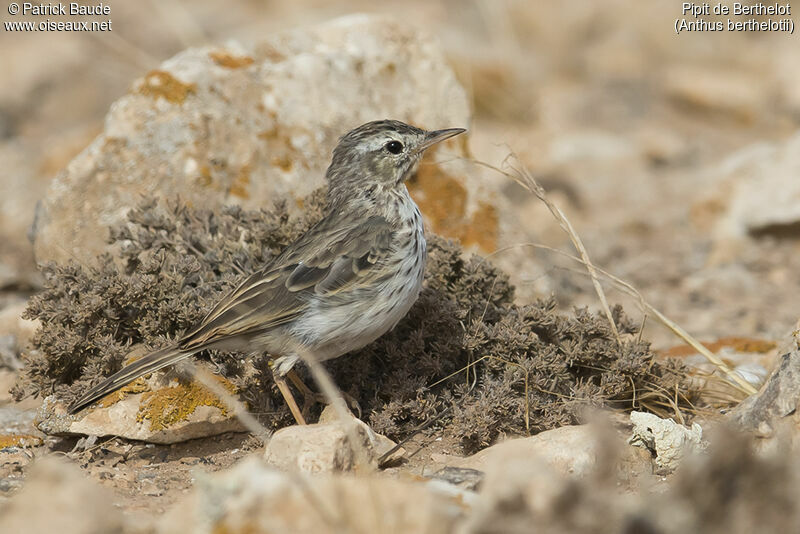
[329, 446]
[245, 125]
[777, 399]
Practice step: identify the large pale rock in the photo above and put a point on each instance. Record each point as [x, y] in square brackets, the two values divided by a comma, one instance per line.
[252, 497]
[567, 450]
[57, 497]
[329, 446]
[539, 481]
[516, 486]
[22, 187]
[171, 414]
[250, 125]
[49, 97]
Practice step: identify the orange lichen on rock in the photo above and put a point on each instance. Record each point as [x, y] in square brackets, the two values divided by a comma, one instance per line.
[443, 201]
[204, 177]
[170, 405]
[19, 440]
[283, 162]
[282, 152]
[483, 228]
[739, 344]
[159, 83]
[225, 59]
[239, 186]
[137, 386]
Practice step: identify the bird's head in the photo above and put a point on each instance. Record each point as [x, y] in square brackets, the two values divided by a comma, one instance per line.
[383, 153]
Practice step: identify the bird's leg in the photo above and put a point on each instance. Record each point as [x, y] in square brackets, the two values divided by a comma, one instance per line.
[280, 368]
[310, 397]
[283, 387]
[352, 403]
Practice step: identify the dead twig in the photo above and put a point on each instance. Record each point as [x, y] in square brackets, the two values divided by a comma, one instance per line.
[526, 180]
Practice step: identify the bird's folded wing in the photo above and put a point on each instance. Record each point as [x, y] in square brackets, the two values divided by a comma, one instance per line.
[331, 258]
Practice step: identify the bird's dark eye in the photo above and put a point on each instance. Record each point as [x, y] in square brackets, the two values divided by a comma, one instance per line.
[395, 147]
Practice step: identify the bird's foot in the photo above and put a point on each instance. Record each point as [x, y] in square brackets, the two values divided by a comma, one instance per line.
[310, 398]
[352, 403]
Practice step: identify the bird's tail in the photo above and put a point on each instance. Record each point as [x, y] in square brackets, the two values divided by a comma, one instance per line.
[148, 364]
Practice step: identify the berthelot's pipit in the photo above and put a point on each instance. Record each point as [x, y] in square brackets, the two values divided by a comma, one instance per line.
[340, 286]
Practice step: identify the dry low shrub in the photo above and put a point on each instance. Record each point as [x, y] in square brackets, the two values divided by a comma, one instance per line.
[517, 363]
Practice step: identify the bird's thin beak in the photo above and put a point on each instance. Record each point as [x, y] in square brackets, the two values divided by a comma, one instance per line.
[437, 136]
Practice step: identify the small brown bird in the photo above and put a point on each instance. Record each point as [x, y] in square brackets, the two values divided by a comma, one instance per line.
[340, 286]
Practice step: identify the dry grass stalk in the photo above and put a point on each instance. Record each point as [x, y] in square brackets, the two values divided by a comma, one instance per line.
[717, 390]
[736, 381]
[521, 175]
[526, 180]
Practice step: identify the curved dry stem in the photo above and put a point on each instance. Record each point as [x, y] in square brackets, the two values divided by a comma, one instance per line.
[735, 379]
[526, 180]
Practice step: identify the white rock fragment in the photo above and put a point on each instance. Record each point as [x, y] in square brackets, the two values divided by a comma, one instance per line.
[667, 439]
[752, 372]
[328, 446]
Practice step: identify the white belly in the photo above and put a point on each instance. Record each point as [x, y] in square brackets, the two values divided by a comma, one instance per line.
[340, 325]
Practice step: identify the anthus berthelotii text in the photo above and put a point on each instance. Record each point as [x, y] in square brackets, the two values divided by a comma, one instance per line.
[340, 286]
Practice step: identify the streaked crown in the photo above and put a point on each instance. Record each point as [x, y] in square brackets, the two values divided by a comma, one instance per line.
[383, 153]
